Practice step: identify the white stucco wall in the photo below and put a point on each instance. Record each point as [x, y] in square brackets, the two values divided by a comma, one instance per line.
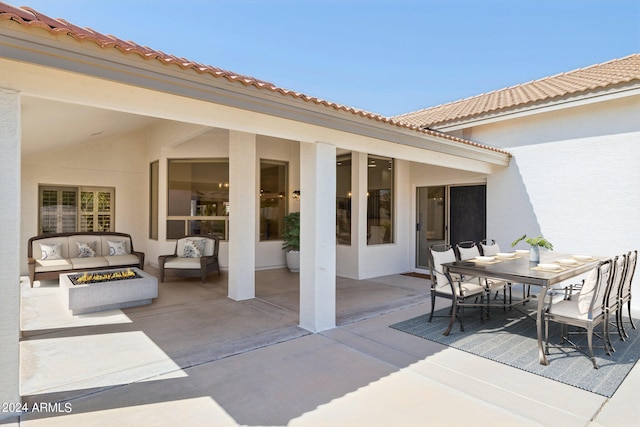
[573, 178]
[115, 162]
[9, 274]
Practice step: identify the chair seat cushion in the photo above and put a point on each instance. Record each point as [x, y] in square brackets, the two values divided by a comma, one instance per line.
[182, 263]
[468, 289]
[571, 309]
[494, 284]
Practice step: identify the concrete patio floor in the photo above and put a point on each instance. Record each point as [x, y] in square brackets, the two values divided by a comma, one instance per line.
[197, 358]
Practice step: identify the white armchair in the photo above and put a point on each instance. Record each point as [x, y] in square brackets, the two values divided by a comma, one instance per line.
[195, 256]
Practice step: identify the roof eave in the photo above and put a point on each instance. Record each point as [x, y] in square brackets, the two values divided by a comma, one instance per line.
[569, 101]
[39, 47]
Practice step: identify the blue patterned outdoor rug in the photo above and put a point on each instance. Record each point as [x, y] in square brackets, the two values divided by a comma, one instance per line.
[510, 338]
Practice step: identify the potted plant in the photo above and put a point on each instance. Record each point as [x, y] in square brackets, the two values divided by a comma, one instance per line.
[291, 237]
[536, 243]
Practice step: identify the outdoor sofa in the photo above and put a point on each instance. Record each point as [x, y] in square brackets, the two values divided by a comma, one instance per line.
[50, 255]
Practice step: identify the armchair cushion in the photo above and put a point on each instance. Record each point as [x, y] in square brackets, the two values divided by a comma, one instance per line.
[193, 248]
[182, 263]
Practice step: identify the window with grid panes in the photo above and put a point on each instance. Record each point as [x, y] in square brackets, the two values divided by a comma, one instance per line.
[71, 209]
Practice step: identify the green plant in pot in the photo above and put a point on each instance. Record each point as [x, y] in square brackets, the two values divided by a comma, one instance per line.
[536, 243]
[291, 237]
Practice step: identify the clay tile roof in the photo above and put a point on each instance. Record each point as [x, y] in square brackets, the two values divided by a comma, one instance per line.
[30, 18]
[595, 77]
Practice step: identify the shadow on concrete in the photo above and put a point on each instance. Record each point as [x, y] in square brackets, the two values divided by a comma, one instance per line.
[249, 360]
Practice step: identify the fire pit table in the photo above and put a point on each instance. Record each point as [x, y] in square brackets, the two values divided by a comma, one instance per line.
[101, 290]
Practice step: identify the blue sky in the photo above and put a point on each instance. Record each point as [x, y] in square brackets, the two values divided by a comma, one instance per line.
[387, 57]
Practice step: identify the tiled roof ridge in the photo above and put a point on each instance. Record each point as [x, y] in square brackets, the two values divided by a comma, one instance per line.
[30, 17]
[557, 81]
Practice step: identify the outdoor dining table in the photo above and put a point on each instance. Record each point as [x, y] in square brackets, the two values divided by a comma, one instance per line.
[519, 269]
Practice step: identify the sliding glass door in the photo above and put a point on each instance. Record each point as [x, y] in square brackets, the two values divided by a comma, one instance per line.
[449, 214]
[431, 224]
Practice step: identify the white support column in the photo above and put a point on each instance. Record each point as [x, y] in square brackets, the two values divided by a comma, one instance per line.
[359, 202]
[243, 192]
[317, 236]
[10, 136]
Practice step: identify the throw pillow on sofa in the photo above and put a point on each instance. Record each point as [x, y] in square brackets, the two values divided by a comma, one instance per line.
[52, 251]
[117, 248]
[86, 249]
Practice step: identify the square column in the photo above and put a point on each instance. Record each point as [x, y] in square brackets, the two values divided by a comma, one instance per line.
[359, 207]
[317, 236]
[10, 136]
[243, 190]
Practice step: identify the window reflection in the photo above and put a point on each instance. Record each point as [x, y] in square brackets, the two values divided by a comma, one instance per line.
[379, 200]
[343, 200]
[273, 198]
[198, 199]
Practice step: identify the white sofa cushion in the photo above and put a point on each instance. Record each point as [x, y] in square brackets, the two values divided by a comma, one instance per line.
[89, 263]
[117, 260]
[52, 265]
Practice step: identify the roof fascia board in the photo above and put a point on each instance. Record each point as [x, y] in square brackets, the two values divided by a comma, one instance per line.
[133, 70]
[608, 94]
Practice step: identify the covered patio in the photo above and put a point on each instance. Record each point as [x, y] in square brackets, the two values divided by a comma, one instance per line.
[196, 357]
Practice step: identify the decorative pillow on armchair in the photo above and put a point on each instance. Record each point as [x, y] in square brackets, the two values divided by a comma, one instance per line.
[117, 248]
[193, 248]
[53, 251]
[86, 249]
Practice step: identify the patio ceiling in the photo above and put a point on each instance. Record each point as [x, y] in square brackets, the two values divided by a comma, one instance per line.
[49, 125]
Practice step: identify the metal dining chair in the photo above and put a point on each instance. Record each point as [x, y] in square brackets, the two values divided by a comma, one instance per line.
[459, 292]
[625, 293]
[468, 250]
[489, 247]
[585, 311]
[612, 299]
